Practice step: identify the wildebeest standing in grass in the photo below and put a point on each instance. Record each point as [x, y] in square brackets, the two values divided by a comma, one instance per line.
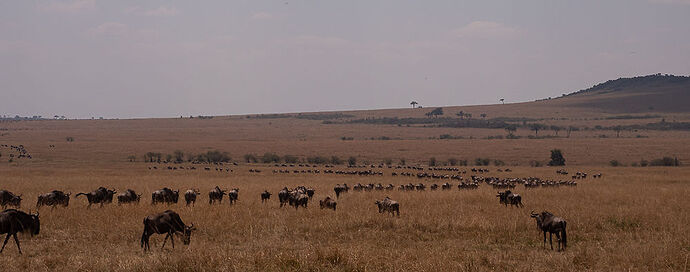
[310, 192]
[216, 194]
[233, 195]
[128, 196]
[9, 198]
[284, 196]
[168, 222]
[509, 198]
[547, 222]
[165, 195]
[190, 196]
[328, 202]
[265, 196]
[99, 196]
[53, 199]
[13, 221]
[388, 205]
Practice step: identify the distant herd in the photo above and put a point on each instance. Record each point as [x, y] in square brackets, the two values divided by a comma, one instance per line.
[169, 222]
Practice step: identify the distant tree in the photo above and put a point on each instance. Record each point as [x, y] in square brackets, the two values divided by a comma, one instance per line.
[511, 130]
[179, 156]
[436, 112]
[130, 158]
[461, 114]
[483, 115]
[432, 161]
[502, 101]
[536, 127]
[402, 161]
[468, 115]
[352, 161]
[413, 103]
[571, 129]
[556, 129]
[557, 158]
[618, 131]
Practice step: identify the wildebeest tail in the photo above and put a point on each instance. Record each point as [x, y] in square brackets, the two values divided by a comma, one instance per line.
[565, 236]
[79, 194]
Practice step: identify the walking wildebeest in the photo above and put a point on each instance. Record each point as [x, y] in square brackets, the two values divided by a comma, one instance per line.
[339, 189]
[190, 196]
[284, 196]
[168, 222]
[129, 196]
[13, 221]
[388, 205]
[508, 197]
[298, 198]
[216, 194]
[328, 202]
[53, 199]
[9, 198]
[547, 222]
[165, 195]
[265, 196]
[233, 195]
[98, 196]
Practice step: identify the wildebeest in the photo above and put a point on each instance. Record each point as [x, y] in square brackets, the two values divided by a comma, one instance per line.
[13, 221]
[216, 194]
[339, 189]
[190, 196]
[508, 197]
[445, 186]
[547, 222]
[328, 202]
[284, 196]
[9, 198]
[128, 196]
[388, 205]
[310, 192]
[265, 196]
[98, 196]
[53, 199]
[298, 198]
[165, 195]
[233, 194]
[168, 222]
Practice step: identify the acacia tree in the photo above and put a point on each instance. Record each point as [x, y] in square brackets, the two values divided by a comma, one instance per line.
[556, 129]
[557, 158]
[536, 127]
[511, 130]
[414, 104]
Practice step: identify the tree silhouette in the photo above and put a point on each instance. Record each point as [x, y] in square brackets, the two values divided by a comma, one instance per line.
[413, 103]
[556, 129]
[536, 128]
[557, 158]
[461, 114]
[511, 129]
[618, 131]
[483, 115]
[502, 101]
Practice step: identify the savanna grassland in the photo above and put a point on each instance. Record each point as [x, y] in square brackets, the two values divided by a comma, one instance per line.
[634, 218]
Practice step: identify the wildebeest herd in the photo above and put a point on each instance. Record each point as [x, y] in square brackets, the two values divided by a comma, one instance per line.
[13, 221]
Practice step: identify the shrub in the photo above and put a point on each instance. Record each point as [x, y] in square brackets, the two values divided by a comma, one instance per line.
[665, 161]
[402, 161]
[249, 158]
[352, 161]
[130, 158]
[463, 163]
[217, 156]
[270, 158]
[499, 163]
[388, 161]
[317, 160]
[336, 160]
[557, 158]
[290, 159]
[644, 163]
[482, 161]
[614, 163]
[347, 138]
[453, 161]
[432, 161]
[534, 163]
[179, 156]
[69, 139]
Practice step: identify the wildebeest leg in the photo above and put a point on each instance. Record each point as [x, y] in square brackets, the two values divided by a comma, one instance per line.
[544, 245]
[17, 241]
[3, 244]
[551, 239]
[172, 240]
[558, 239]
[165, 240]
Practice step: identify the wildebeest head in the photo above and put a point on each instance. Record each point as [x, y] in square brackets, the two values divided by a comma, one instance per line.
[35, 224]
[15, 201]
[187, 234]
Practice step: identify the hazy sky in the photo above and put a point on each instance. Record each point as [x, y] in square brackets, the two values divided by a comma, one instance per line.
[170, 58]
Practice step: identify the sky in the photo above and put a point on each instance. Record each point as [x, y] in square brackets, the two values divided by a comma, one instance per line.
[137, 59]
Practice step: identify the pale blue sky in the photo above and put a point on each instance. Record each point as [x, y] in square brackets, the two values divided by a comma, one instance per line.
[170, 58]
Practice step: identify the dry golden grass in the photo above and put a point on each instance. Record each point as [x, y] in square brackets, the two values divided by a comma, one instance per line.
[632, 219]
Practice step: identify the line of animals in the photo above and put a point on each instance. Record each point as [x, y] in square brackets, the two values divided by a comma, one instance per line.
[20, 149]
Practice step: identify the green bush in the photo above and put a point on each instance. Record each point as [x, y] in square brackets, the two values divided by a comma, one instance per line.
[557, 158]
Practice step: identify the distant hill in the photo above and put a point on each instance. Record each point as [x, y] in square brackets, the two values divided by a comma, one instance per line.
[652, 93]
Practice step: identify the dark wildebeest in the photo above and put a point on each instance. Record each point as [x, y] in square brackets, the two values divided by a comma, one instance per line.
[310, 192]
[547, 222]
[265, 196]
[298, 198]
[168, 222]
[98, 196]
[190, 196]
[445, 186]
[53, 199]
[328, 202]
[129, 196]
[165, 195]
[216, 194]
[339, 189]
[9, 198]
[388, 205]
[509, 197]
[13, 221]
[284, 196]
[233, 195]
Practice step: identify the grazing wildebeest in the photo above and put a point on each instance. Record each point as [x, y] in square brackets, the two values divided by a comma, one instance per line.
[328, 202]
[547, 222]
[216, 194]
[445, 186]
[9, 198]
[233, 195]
[168, 222]
[265, 196]
[129, 196]
[98, 196]
[53, 199]
[388, 205]
[508, 197]
[190, 196]
[165, 195]
[13, 221]
[298, 198]
[434, 187]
